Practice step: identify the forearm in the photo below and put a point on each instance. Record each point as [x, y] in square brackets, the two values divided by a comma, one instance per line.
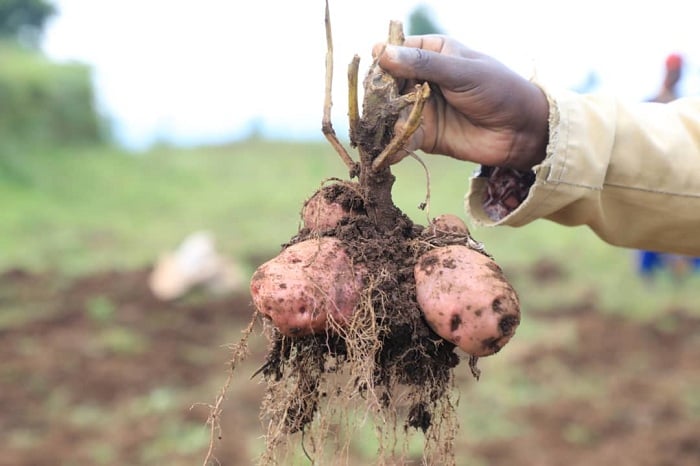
[629, 171]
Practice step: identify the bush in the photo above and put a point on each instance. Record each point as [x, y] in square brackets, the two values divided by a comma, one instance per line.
[24, 20]
[43, 103]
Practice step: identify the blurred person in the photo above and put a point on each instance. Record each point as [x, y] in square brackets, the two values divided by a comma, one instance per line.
[650, 262]
[673, 72]
[629, 171]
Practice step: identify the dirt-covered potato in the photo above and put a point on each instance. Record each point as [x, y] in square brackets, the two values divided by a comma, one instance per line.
[466, 299]
[447, 224]
[319, 213]
[328, 206]
[305, 284]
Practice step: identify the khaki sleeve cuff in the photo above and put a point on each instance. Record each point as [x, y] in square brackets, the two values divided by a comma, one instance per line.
[572, 171]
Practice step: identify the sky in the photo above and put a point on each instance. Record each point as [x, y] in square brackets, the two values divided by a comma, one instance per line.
[193, 72]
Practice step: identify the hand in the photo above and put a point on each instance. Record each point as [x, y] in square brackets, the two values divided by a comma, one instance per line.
[484, 112]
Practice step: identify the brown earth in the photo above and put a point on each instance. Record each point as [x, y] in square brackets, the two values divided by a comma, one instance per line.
[61, 359]
[85, 362]
[641, 414]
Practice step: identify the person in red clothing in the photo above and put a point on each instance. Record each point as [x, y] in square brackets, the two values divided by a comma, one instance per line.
[669, 87]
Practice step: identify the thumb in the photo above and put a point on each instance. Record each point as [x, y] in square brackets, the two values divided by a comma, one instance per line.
[397, 60]
[423, 65]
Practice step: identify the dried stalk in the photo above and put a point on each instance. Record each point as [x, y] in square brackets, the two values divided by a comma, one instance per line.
[327, 125]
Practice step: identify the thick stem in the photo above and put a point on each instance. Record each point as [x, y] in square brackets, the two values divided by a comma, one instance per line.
[375, 130]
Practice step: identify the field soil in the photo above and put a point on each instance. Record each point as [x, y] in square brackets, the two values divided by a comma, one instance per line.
[95, 370]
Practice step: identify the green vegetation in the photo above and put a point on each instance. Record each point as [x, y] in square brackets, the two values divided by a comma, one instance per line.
[44, 104]
[85, 209]
[80, 210]
[23, 21]
[421, 22]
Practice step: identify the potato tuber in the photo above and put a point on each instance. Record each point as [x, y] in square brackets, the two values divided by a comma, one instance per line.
[328, 206]
[466, 299]
[320, 214]
[447, 224]
[307, 283]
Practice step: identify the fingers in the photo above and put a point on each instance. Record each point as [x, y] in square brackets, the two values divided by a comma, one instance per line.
[425, 65]
[433, 58]
[433, 43]
[441, 44]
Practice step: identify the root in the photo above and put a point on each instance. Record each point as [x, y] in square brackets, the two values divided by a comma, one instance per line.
[239, 352]
[425, 205]
[323, 378]
[385, 367]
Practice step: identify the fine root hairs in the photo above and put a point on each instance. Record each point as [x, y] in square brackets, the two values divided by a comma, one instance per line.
[239, 351]
[325, 389]
[324, 392]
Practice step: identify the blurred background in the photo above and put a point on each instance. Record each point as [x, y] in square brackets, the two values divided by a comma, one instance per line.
[153, 153]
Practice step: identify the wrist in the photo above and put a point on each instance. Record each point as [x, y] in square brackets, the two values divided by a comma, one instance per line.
[532, 140]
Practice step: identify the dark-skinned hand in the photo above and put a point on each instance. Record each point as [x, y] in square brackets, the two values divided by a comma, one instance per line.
[479, 111]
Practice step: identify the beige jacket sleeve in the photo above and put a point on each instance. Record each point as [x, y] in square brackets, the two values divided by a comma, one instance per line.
[631, 172]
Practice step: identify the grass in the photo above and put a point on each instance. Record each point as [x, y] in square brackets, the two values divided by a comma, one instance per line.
[80, 210]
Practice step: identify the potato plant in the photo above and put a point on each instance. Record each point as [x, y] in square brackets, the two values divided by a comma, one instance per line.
[364, 308]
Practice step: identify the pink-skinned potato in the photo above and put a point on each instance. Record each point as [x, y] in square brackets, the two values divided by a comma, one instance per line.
[306, 284]
[328, 206]
[447, 224]
[320, 214]
[466, 299]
